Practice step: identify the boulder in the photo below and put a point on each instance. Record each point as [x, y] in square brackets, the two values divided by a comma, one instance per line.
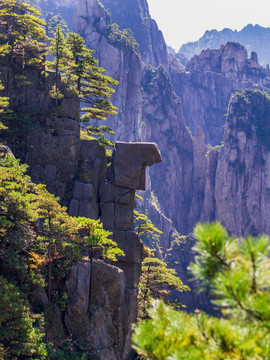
[130, 161]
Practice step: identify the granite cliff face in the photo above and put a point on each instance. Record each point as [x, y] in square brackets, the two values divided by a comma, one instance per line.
[208, 82]
[234, 179]
[135, 15]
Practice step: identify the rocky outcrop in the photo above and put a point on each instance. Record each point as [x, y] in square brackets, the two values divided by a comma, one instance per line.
[96, 310]
[111, 196]
[253, 37]
[208, 82]
[149, 110]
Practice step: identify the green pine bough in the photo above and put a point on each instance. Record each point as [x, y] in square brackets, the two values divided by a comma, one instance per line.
[237, 270]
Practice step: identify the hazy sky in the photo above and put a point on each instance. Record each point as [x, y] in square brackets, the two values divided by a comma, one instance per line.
[187, 20]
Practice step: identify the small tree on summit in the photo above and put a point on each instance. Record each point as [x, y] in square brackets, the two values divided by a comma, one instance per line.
[85, 78]
[59, 50]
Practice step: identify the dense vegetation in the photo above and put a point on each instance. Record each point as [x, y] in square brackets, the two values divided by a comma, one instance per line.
[39, 243]
[238, 274]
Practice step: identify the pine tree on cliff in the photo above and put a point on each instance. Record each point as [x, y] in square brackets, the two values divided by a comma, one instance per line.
[85, 78]
[3, 108]
[23, 32]
[58, 49]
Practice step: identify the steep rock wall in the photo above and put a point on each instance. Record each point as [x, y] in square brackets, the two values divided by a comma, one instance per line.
[135, 15]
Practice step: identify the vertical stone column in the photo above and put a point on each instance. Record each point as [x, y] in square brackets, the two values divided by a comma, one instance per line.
[117, 200]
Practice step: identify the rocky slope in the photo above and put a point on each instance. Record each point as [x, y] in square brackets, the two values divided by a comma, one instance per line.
[253, 37]
[149, 110]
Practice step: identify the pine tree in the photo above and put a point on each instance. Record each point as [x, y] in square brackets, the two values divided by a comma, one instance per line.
[147, 231]
[23, 33]
[3, 108]
[156, 282]
[86, 79]
[238, 274]
[97, 239]
[58, 49]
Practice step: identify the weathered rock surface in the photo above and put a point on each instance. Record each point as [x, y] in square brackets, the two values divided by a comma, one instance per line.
[138, 156]
[96, 309]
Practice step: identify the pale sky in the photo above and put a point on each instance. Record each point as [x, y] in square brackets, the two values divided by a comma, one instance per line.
[182, 21]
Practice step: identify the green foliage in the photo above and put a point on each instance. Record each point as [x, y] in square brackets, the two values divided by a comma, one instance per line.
[96, 238]
[255, 104]
[238, 274]
[146, 230]
[3, 108]
[60, 53]
[122, 39]
[85, 79]
[19, 338]
[16, 220]
[39, 243]
[155, 282]
[67, 351]
[30, 253]
[23, 34]
[150, 77]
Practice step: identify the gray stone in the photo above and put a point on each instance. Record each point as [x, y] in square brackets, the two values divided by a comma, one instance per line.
[128, 198]
[50, 173]
[123, 217]
[108, 216]
[132, 273]
[73, 208]
[78, 287]
[130, 161]
[78, 190]
[131, 244]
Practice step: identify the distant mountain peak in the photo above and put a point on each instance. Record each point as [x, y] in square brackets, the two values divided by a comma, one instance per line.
[253, 37]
